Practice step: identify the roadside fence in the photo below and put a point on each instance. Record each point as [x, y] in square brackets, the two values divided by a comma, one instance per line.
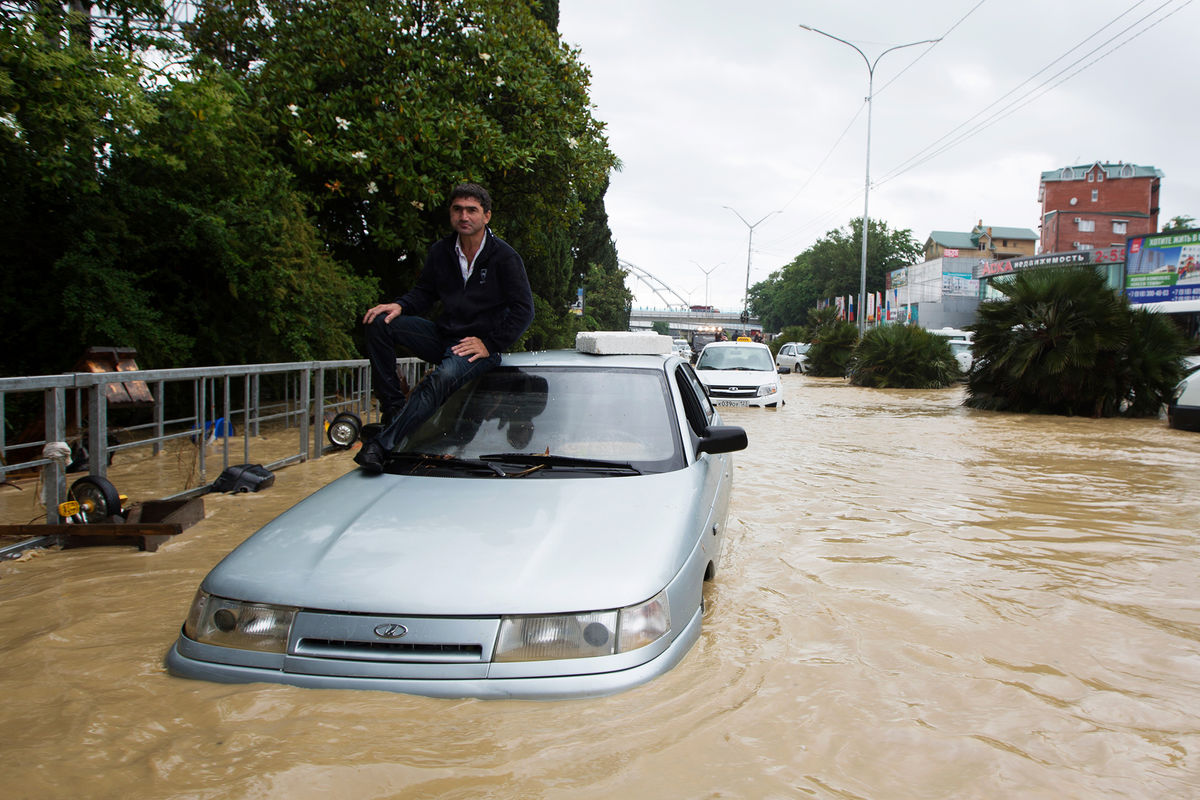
[76, 406]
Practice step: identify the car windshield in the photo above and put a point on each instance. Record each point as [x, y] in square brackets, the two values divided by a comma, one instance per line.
[751, 358]
[622, 416]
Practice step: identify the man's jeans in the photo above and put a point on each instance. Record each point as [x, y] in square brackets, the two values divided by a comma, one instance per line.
[421, 337]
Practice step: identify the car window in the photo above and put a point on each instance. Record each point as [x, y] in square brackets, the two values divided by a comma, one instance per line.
[695, 400]
[619, 415]
[749, 358]
[786, 350]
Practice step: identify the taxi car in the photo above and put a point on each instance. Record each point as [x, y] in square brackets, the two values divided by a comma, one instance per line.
[740, 374]
[546, 534]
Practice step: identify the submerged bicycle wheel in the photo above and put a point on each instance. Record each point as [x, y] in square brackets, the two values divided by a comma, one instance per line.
[97, 497]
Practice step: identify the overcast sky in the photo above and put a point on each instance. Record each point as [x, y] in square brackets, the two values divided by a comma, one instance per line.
[712, 103]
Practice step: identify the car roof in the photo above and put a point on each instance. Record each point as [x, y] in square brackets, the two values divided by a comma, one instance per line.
[573, 358]
[736, 344]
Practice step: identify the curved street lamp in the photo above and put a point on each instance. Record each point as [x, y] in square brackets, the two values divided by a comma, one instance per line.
[862, 277]
[707, 272]
[749, 245]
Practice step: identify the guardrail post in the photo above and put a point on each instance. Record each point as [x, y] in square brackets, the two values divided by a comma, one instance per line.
[54, 476]
[201, 401]
[3, 448]
[305, 401]
[318, 416]
[97, 430]
[160, 403]
[246, 380]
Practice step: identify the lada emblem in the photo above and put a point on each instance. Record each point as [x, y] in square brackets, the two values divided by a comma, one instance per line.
[390, 630]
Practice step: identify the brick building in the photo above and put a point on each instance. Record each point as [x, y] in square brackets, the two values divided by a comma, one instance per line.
[1096, 206]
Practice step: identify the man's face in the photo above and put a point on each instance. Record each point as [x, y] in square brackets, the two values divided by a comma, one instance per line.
[467, 216]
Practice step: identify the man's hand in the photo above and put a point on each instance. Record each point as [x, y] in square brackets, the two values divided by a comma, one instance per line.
[390, 310]
[471, 346]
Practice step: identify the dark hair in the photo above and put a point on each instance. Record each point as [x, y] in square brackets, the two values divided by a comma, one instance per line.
[473, 190]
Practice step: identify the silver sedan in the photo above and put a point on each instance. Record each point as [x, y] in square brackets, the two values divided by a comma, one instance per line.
[545, 535]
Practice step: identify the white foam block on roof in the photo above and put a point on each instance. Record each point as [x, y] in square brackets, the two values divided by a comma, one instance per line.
[611, 343]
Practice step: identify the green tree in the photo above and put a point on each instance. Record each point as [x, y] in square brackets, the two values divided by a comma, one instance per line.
[178, 217]
[1179, 223]
[903, 357]
[379, 108]
[830, 268]
[606, 300]
[1062, 342]
[65, 108]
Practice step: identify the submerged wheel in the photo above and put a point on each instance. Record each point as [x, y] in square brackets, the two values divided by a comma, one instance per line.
[344, 430]
[97, 497]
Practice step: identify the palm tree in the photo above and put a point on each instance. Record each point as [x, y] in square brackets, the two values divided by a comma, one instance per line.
[833, 341]
[1062, 342]
[903, 357]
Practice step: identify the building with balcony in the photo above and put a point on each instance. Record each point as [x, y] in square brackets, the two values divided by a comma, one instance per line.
[1097, 206]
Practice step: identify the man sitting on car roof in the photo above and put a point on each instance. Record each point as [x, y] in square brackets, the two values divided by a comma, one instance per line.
[486, 306]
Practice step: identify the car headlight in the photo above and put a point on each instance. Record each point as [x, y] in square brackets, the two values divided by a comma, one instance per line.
[231, 623]
[766, 389]
[593, 633]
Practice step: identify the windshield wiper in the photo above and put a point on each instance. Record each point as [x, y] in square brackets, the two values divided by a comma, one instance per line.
[547, 460]
[447, 461]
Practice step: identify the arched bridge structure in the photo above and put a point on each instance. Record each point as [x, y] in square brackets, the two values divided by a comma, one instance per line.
[678, 313]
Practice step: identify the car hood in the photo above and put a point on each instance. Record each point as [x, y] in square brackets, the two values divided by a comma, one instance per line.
[452, 546]
[736, 377]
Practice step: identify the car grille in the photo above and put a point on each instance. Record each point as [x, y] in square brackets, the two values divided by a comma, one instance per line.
[736, 392]
[414, 640]
[387, 651]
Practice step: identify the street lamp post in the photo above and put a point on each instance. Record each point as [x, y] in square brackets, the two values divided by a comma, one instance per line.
[749, 249]
[862, 277]
[706, 272]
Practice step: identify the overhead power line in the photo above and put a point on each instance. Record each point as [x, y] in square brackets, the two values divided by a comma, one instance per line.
[951, 140]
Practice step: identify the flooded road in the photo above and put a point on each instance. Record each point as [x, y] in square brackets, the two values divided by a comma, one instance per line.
[915, 601]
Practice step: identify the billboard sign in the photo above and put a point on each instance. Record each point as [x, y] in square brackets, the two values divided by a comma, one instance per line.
[1163, 268]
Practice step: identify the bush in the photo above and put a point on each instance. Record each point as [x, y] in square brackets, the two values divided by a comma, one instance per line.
[903, 357]
[1062, 342]
[832, 345]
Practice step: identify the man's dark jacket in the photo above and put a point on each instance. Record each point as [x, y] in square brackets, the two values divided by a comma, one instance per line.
[495, 304]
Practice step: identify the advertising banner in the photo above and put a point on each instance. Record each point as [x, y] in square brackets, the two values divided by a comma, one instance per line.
[1163, 268]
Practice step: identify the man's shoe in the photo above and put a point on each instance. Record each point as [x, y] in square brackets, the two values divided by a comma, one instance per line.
[370, 457]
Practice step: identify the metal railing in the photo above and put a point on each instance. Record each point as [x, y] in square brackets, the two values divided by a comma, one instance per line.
[310, 390]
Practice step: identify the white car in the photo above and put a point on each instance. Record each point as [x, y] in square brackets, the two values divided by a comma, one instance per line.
[739, 374]
[960, 345]
[1183, 412]
[962, 353]
[793, 357]
[682, 349]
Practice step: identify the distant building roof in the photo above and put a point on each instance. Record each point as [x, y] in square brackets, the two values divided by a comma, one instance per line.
[969, 240]
[1111, 170]
[953, 239]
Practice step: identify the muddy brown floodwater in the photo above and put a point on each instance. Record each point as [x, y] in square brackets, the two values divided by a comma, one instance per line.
[915, 601]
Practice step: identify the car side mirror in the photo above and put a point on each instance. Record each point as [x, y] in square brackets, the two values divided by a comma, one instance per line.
[722, 439]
